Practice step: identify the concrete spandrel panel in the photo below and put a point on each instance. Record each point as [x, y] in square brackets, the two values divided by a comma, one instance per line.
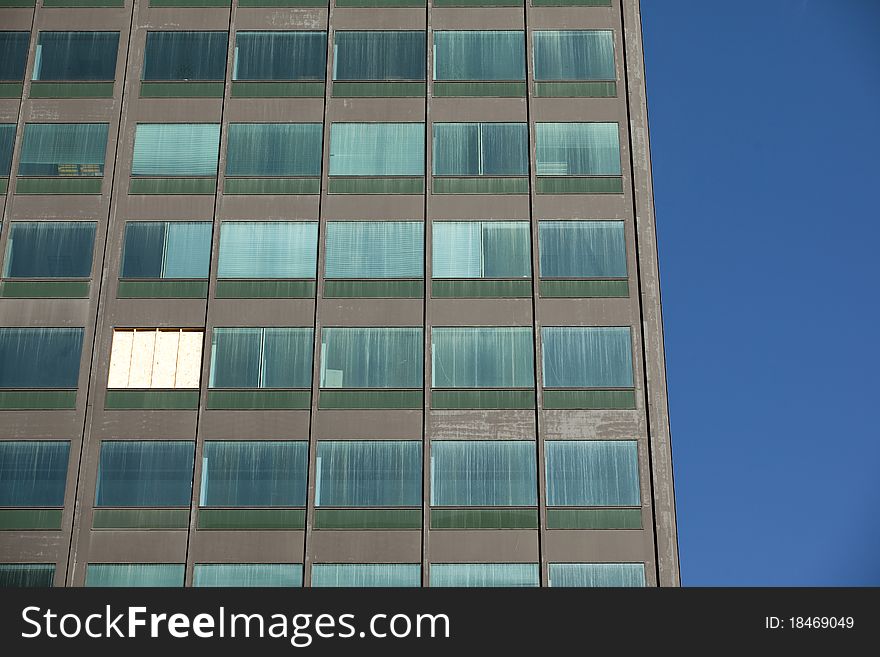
[143, 347]
[165, 359]
[120, 359]
[189, 359]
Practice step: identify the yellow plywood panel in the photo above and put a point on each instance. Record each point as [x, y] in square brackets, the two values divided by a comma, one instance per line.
[142, 350]
[165, 359]
[189, 359]
[120, 359]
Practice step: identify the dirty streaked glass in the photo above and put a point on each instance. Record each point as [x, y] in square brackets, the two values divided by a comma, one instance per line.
[582, 249]
[280, 56]
[375, 249]
[481, 149]
[261, 357]
[371, 358]
[480, 55]
[577, 149]
[49, 249]
[176, 149]
[13, 55]
[587, 356]
[379, 55]
[40, 357]
[7, 141]
[254, 473]
[268, 249]
[482, 357]
[377, 149]
[248, 575]
[166, 249]
[33, 472]
[574, 55]
[185, 55]
[481, 249]
[145, 473]
[372, 575]
[369, 473]
[63, 149]
[592, 472]
[135, 575]
[485, 574]
[587, 575]
[26, 575]
[483, 473]
[76, 56]
[274, 149]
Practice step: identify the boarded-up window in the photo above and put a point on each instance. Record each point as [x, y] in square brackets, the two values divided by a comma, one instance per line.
[155, 358]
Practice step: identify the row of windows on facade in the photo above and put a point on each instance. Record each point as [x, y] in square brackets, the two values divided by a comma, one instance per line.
[295, 149]
[568, 249]
[352, 358]
[559, 55]
[372, 575]
[353, 474]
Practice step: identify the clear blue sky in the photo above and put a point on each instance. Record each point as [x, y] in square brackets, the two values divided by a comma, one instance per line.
[765, 134]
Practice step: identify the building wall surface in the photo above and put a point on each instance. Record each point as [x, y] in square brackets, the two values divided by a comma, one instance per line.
[95, 417]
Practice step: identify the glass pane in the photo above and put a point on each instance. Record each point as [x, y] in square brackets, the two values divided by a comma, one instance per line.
[176, 149]
[372, 575]
[597, 574]
[63, 149]
[33, 472]
[457, 249]
[50, 249]
[40, 357]
[592, 472]
[507, 251]
[369, 473]
[13, 54]
[482, 357]
[483, 473]
[484, 574]
[397, 55]
[235, 357]
[587, 357]
[144, 249]
[274, 149]
[377, 149]
[254, 473]
[476, 149]
[187, 249]
[268, 249]
[577, 149]
[375, 249]
[135, 574]
[371, 358]
[582, 249]
[248, 574]
[155, 473]
[290, 55]
[26, 575]
[185, 56]
[574, 55]
[7, 141]
[76, 56]
[496, 55]
[287, 357]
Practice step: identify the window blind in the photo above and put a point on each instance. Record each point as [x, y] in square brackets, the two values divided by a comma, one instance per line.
[377, 149]
[481, 249]
[375, 249]
[176, 149]
[268, 249]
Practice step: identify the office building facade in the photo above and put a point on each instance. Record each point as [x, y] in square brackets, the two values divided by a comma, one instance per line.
[307, 295]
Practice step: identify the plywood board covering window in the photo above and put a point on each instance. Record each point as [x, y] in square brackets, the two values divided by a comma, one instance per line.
[155, 358]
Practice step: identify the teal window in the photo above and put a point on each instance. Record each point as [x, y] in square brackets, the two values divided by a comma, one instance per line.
[371, 358]
[481, 149]
[369, 575]
[588, 575]
[132, 575]
[482, 357]
[592, 472]
[261, 358]
[274, 149]
[26, 575]
[368, 473]
[166, 249]
[395, 55]
[76, 56]
[587, 357]
[377, 149]
[7, 141]
[33, 473]
[280, 56]
[491, 55]
[481, 249]
[483, 473]
[375, 249]
[40, 357]
[254, 473]
[250, 575]
[485, 574]
[13, 55]
[180, 55]
[577, 149]
[268, 249]
[574, 55]
[49, 249]
[582, 249]
[63, 149]
[176, 149]
[145, 473]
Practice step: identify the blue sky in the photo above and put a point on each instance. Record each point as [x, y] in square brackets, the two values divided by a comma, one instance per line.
[765, 143]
